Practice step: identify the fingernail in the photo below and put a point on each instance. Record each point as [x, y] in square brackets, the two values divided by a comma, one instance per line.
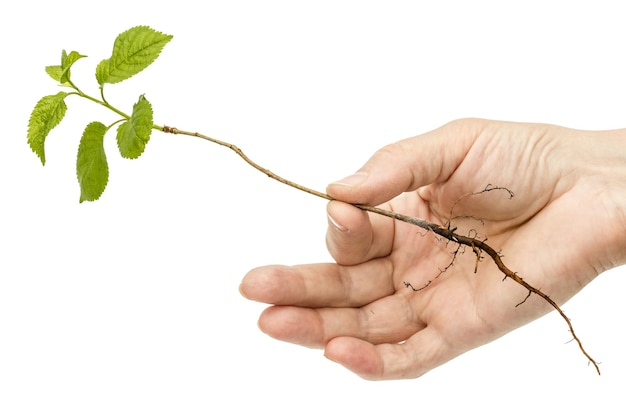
[353, 180]
[337, 225]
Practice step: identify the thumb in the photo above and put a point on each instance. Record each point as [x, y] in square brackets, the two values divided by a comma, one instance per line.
[409, 164]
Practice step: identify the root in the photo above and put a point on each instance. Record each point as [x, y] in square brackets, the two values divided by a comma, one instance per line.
[524, 300]
[487, 189]
[459, 250]
[479, 247]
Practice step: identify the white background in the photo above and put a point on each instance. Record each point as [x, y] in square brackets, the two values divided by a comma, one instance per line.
[130, 307]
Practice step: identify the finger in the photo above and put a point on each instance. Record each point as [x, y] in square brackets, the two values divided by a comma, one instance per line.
[389, 320]
[354, 237]
[418, 355]
[409, 164]
[319, 285]
[306, 326]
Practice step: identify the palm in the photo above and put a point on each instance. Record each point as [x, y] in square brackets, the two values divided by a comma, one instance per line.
[439, 288]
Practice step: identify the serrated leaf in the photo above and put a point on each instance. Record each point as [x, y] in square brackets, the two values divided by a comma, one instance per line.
[133, 51]
[92, 169]
[102, 70]
[66, 64]
[47, 114]
[61, 73]
[134, 134]
[55, 71]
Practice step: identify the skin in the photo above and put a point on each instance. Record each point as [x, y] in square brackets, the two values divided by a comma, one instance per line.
[565, 225]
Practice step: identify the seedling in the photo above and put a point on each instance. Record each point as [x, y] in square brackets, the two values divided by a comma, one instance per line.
[133, 51]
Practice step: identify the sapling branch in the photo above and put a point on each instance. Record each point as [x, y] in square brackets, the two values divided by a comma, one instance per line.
[136, 49]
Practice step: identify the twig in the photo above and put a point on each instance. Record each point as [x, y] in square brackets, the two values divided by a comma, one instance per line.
[478, 246]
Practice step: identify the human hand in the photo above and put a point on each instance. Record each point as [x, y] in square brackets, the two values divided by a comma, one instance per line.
[564, 226]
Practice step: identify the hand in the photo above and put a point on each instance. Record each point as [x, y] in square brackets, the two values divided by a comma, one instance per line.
[564, 226]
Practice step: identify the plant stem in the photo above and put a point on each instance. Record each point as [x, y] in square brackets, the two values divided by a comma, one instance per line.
[248, 160]
[102, 103]
[477, 245]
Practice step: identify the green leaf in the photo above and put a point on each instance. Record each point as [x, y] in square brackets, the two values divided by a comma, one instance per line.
[133, 51]
[92, 169]
[55, 71]
[61, 73]
[134, 134]
[67, 64]
[46, 115]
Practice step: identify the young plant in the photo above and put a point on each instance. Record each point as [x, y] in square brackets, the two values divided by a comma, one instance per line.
[133, 51]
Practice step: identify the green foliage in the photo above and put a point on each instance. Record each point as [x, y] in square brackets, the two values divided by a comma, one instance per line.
[46, 115]
[133, 51]
[92, 168]
[61, 73]
[134, 134]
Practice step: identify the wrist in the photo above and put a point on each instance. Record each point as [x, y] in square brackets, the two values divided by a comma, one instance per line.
[604, 161]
